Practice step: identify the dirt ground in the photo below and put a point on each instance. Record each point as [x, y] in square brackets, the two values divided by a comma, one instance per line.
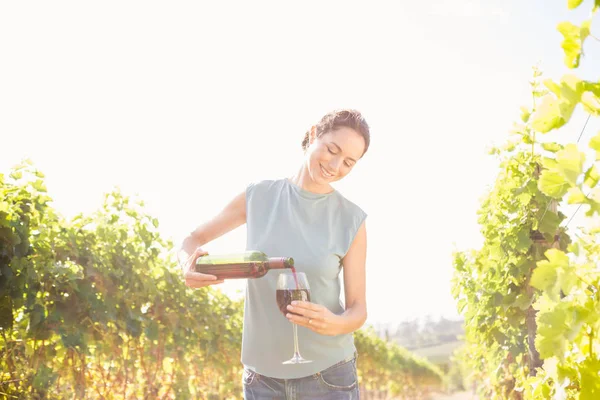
[456, 396]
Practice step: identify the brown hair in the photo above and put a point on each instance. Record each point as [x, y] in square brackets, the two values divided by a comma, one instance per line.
[352, 119]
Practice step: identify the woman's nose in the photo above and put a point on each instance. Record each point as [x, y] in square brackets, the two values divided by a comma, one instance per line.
[334, 164]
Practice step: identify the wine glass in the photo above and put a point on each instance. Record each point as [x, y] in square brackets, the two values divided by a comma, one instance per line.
[290, 287]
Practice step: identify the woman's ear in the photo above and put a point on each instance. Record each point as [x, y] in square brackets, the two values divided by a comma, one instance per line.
[313, 135]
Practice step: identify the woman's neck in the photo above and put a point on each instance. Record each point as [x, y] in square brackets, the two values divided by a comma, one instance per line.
[303, 179]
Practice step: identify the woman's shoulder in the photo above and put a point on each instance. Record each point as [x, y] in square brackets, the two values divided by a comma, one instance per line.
[264, 185]
[349, 207]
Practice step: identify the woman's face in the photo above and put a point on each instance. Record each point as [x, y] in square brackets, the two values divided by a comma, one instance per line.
[333, 155]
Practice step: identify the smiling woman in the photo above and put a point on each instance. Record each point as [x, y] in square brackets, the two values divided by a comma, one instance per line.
[334, 145]
[301, 217]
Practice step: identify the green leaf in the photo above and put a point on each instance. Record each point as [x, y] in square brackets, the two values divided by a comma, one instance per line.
[152, 330]
[567, 279]
[36, 316]
[549, 223]
[523, 302]
[6, 312]
[569, 93]
[573, 38]
[557, 258]
[576, 196]
[549, 340]
[591, 103]
[552, 147]
[547, 117]
[525, 114]
[572, 4]
[549, 163]
[590, 379]
[44, 377]
[570, 163]
[523, 240]
[71, 339]
[555, 111]
[544, 276]
[553, 184]
[591, 177]
[39, 185]
[595, 144]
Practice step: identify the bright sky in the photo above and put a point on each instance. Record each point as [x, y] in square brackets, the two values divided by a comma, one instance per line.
[183, 103]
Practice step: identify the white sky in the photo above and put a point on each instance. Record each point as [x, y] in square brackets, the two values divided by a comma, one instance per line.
[184, 103]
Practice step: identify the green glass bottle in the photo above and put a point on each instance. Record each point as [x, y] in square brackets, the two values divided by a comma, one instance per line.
[249, 264]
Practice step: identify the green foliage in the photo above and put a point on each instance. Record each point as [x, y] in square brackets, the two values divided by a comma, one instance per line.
[530, 295]
[389, 368]
[95, 308]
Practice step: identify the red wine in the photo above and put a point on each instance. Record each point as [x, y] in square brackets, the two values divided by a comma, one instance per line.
[286, 296]
[295, 277]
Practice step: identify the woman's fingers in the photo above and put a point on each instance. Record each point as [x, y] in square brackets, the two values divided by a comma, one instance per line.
[199, 252]
[308, 313]
[305, 314]
[312, 316]
[197, 279]
[308, 309]
[189, 265]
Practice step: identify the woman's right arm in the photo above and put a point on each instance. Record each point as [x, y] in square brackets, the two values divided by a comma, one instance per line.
[231, 217]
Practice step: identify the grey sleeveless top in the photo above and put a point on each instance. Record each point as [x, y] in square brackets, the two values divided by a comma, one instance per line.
[284, 220]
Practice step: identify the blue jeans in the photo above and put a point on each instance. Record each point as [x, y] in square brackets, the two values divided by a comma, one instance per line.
[338, 382]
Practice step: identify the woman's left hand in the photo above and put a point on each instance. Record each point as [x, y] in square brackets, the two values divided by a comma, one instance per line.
[314, 317]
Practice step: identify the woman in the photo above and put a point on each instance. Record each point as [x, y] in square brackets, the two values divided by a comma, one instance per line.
[301, 217]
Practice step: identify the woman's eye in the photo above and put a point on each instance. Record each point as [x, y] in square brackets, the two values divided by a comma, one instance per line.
[348, 164]
[330, 150]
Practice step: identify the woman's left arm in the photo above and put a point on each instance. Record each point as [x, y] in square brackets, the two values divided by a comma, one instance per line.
[355, 282]
[318, 318]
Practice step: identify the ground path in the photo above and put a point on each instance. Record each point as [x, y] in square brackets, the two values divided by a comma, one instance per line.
[455, 396]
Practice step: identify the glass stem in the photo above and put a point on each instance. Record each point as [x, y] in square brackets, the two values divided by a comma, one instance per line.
[296, 349]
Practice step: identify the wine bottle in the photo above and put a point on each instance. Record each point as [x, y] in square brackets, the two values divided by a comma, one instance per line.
[248, 264]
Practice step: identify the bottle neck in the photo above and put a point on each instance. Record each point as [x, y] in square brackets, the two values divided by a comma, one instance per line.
[281, 262]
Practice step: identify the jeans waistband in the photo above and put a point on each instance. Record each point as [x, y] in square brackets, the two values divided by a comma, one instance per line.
[345, 360]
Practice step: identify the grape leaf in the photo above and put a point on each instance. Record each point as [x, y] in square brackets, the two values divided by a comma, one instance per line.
[567, 279]
[591, 103]
[548, 116]
[525, 114]
[573, 38]
[570, 163]
[552, 147]
[553, 184]
[6, 312]
[549, 340]
[576, 196]
[544, 276]
[591, 176]
[549, 223]
[523, 302]
[590, 379]
[595, 144]
[572, 4]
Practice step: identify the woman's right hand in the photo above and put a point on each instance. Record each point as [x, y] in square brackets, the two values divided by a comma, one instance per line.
[196, 279]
